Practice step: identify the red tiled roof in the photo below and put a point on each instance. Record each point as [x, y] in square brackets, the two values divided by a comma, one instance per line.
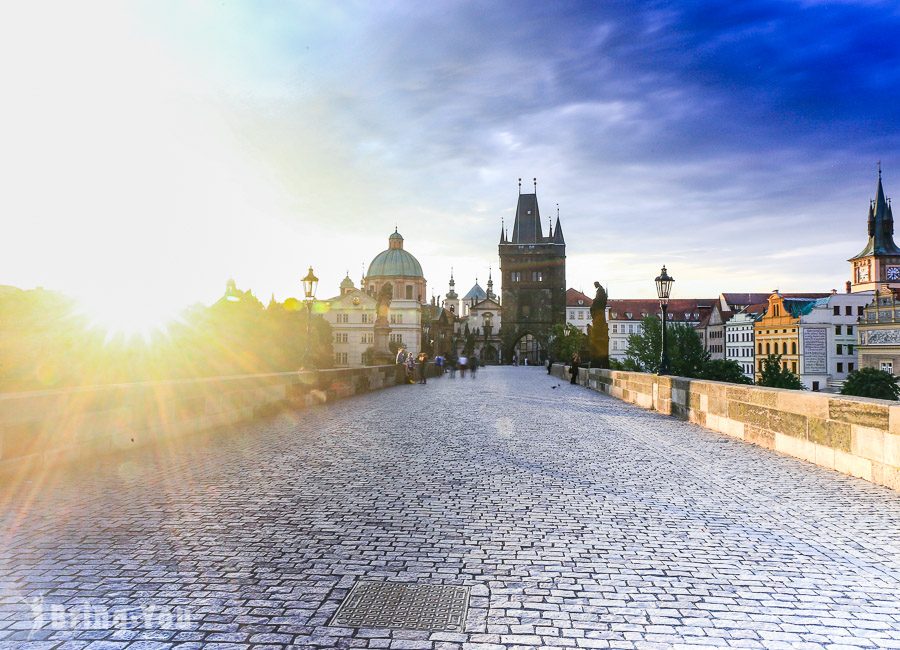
[640, 307]
[573, 296]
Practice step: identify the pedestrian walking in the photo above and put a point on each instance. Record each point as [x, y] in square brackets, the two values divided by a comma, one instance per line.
[473, 366]
[549, 365]
[451, 364]
[463, 365]
[576, 363]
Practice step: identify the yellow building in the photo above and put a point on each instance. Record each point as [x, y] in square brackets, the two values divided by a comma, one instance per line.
[777, 332]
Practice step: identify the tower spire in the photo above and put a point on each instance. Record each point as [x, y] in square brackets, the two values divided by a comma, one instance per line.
[520, 185]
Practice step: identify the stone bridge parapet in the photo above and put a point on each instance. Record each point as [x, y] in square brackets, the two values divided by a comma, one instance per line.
[852, 435]
[43, 428]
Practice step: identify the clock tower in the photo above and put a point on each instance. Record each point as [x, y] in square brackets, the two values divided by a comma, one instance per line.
[879, 262]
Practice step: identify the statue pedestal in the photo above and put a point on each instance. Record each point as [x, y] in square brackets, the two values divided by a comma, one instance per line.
[382, 352]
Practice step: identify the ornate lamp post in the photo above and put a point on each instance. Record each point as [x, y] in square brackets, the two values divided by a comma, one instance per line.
[310, 283]
[664, 289]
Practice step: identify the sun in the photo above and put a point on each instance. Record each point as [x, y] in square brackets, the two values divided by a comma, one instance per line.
[129, 315]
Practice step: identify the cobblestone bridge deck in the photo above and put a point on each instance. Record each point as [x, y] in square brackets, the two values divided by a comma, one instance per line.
[577, 521]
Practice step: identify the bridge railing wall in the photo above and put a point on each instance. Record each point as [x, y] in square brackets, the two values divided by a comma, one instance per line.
[43, 428]
[853, 435]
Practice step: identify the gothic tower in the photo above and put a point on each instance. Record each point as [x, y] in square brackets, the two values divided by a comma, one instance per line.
[879, 262]
[533, 282]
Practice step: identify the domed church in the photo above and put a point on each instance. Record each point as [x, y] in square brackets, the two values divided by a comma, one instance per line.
[399, 267]
[352, 314]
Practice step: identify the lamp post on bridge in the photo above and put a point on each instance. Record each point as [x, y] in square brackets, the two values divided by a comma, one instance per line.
[310, 283]
[664, 289]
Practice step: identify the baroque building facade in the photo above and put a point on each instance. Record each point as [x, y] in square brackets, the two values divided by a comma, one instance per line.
[352, 313]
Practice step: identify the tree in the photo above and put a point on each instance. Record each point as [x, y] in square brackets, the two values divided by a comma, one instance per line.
[724, 370]
[776, 375]
[687, 358]
[871, 382]
[566, 340]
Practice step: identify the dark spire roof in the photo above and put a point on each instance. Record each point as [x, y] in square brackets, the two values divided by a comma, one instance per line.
[558, 233]
[502, 232]
[881, 226]
[527, 227]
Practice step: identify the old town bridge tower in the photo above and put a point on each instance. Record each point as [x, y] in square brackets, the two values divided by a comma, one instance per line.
[533, 282]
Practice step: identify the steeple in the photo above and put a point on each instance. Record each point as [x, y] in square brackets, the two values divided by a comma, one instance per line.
[527, 227]
[502, 232]
[451, 294]
[880, 225]
[558, 233]
[490, 286]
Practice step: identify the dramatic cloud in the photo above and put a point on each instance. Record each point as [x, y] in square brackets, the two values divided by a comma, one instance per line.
[735, 142]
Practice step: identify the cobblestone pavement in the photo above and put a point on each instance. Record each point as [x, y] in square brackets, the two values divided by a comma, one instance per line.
[578, 521]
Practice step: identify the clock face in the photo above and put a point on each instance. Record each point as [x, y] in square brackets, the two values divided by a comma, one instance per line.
[862, 273]
[893, 273]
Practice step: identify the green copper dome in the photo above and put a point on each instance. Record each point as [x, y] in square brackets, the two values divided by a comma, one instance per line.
[395, 261]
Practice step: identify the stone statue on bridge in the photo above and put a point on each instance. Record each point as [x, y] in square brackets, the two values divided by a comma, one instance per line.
[598, 337]
[382, 352]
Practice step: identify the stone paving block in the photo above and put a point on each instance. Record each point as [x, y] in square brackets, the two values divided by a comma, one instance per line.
[577, 521]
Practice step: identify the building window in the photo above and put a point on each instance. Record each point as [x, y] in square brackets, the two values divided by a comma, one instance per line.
[888, 366]
[340, 358]
[849, 349]
[794, 367]
[365, 318]
[815, 387]
[409, 292]
[397, 338]
[848, 310]
[837, 330]
[571, 315]
[840, 367]
[859, 311]
[397, 319]
[580, 314]
[837, 310]
[850, 367]
[537, 276]
[793, 348]
[840, 349]
[515, 276]
[342, 337]
[849, 329]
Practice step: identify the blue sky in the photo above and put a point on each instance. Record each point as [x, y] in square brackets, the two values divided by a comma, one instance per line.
[735, 142]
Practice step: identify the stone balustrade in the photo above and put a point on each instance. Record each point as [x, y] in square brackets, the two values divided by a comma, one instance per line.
[853, 435]
[41, 429]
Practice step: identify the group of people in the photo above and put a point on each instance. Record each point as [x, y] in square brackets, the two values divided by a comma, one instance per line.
[416, 365]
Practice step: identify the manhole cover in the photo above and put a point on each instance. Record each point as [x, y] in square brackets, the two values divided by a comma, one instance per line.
[404, 606]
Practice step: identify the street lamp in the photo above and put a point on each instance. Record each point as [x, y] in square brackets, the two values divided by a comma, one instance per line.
[310, 283]
[664, 289]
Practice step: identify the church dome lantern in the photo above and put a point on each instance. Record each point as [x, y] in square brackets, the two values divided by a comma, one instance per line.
[395, 261]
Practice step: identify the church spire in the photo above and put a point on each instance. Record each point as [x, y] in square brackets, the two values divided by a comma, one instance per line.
[557, 232]
[880, 225]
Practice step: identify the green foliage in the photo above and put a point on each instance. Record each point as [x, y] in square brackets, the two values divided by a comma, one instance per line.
[45, 343]
[724, 370]
[687, 358]
[776, 375]
[871, 382]
[566, 340]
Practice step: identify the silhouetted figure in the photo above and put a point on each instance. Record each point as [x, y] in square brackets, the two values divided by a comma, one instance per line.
[576, 363]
